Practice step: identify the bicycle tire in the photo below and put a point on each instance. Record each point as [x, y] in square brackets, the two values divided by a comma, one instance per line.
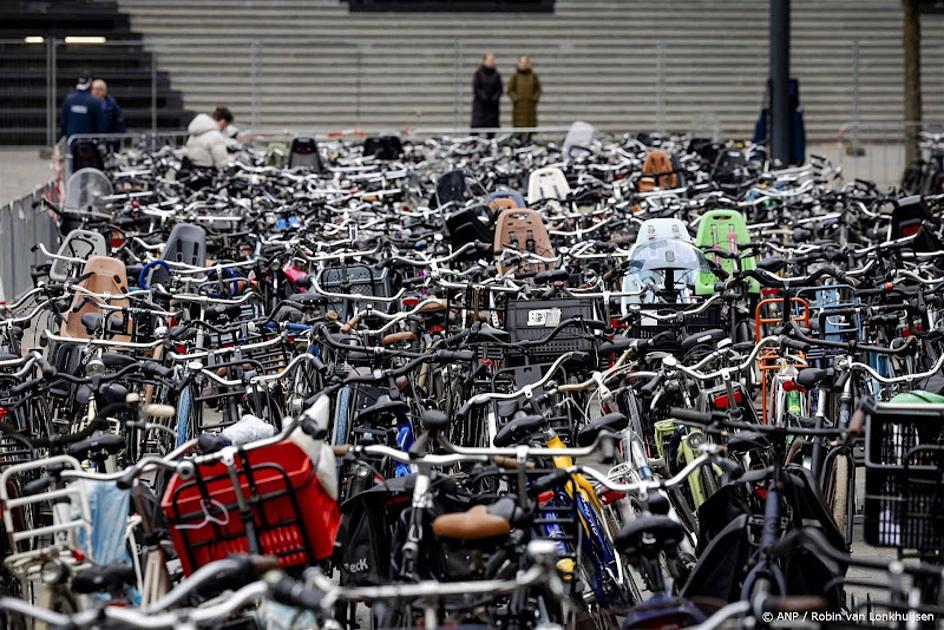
[837, 491]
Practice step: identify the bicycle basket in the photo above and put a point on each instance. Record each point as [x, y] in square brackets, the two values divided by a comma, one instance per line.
[904, 476]
[644, 326]
[357, 280]
[291, 516]
[535, 319]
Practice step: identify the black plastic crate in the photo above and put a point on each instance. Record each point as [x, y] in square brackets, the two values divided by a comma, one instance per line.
[904, 476]
[535, 319]
[357, 280]
[645, 327]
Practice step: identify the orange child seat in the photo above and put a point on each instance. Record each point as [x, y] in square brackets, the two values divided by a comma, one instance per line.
[101, 274]
[657, 172]
[523, 230]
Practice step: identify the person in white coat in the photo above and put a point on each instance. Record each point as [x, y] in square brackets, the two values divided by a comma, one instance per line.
[206, 146]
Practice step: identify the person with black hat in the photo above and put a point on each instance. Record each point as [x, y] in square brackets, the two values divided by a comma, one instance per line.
[81, 111]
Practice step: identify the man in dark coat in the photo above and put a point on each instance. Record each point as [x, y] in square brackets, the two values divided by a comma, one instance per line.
[486, 94]
[114, 115]
[82, 112]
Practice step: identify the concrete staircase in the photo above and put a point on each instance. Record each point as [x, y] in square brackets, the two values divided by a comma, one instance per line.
[621, 65]
[25, 110]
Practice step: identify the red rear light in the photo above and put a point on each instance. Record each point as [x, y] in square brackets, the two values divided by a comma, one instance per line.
[436, 329]
[910, 230]
[611, 496]
[793, 386]
[117, 241]
[411, 301]
[721, 401]
[761, 493]
[546, 497]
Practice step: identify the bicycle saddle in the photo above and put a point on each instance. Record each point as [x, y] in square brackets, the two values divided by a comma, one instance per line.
[474, 524]
[744, 441]
[109, 577]
[383, 406]
[649, 535]
[518, 429]
[811, 377]
[711, 336]
[611, 422]
[306, 298]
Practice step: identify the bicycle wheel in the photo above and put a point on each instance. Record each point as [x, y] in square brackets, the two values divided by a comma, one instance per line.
[837, 491]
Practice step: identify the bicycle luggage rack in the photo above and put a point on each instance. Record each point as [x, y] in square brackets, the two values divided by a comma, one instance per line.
[904, 476]
[267, 500]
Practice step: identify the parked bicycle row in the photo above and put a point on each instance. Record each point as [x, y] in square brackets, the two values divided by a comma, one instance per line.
[621, 382]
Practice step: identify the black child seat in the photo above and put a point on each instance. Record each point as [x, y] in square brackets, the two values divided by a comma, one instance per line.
[383, 147]
[304, 154]
[86, 154]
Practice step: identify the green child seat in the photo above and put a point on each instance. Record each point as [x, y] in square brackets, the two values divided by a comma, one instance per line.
[725, 230]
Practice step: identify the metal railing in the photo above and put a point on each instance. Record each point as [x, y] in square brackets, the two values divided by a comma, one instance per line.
[275, 82]
[269, 84]
[24, 223]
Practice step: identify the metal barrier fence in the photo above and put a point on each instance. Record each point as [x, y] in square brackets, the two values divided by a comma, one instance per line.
[24, 223]
[272, 83]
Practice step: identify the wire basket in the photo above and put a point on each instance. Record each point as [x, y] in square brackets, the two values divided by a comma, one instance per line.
[904, 476]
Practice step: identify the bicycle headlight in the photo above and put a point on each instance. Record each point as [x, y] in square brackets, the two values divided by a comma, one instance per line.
[53, 572]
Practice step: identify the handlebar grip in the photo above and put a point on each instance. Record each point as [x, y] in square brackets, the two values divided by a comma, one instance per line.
[126, 481]
[617, 346]
[653, 384]
[455, 355]
[340, 450]
[153, 368]
[857, 422]
[295, 594]
[691, 415]
[159, 411]
[264, 564]
[608, 449]
[509, 463]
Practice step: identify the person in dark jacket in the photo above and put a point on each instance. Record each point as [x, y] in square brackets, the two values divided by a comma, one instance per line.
[524, 88]
[486, 94]
[114, 115]
[82, 112]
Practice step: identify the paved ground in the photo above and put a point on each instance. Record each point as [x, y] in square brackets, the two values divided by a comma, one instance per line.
[21, 171]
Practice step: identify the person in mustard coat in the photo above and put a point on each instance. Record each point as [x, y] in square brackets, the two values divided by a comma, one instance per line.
[524, 88]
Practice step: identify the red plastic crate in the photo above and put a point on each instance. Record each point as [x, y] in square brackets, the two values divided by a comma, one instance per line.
[292, 516]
